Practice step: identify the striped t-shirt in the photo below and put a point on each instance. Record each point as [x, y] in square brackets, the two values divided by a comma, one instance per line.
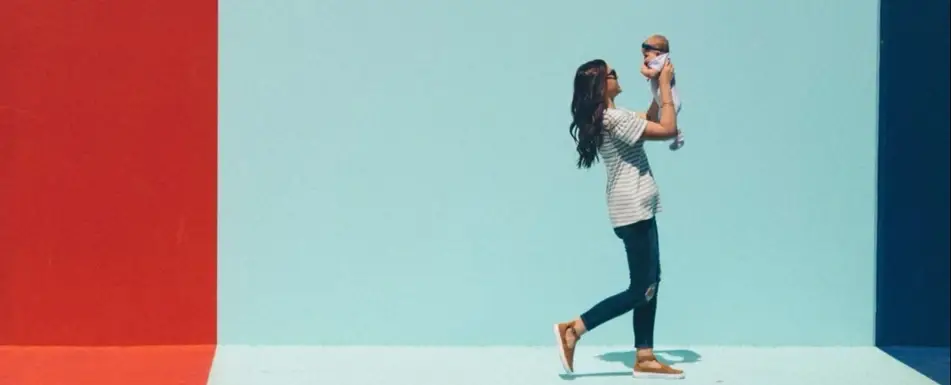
[632, 192]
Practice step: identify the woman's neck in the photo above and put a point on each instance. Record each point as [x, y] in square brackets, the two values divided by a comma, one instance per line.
[610, 103]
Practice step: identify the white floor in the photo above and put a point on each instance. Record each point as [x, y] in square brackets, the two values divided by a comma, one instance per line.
[308, 365]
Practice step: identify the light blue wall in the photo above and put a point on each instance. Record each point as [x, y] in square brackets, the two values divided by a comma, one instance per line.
[401, 172]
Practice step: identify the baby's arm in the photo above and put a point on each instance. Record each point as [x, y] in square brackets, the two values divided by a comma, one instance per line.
[648, 72]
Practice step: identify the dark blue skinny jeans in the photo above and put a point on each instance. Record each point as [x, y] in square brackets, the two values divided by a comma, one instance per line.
[643, 261]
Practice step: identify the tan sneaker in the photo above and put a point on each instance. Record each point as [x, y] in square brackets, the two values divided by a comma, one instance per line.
[567, 352]
[644, 369]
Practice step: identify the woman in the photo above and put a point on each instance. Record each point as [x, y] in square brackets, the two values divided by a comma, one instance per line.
[616, 136]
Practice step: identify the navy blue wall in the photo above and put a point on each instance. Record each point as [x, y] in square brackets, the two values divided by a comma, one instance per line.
[913, 169]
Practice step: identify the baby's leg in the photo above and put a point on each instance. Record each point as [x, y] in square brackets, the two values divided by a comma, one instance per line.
[679, 140]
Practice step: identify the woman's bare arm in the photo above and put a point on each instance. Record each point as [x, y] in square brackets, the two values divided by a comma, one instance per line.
[664, 126]
[652, 111]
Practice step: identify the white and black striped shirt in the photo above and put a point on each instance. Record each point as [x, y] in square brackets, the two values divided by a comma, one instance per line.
[632, 193]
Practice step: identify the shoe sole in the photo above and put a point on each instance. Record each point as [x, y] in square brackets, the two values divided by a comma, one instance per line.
[658, 376]
[561, 350]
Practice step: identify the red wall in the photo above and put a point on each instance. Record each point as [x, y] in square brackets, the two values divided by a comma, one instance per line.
[108, 172]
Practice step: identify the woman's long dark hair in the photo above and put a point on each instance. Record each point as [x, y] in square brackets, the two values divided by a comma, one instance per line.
[587, 111]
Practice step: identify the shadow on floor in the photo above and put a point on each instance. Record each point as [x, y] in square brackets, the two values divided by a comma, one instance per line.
[931, 362]
[626, 358]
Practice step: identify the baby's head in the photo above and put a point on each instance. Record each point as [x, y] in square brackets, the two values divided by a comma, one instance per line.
[654, 46]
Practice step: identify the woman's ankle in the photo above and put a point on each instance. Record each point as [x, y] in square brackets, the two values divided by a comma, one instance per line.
[578, 326]
[645, 353]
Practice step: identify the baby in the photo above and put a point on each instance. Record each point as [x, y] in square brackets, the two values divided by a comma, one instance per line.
[656, 50]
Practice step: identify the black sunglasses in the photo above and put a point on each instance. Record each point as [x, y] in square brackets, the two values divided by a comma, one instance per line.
[612, 74]
[652, 48]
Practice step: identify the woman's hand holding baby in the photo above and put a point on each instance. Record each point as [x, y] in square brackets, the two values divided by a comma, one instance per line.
[666, 75]
[649, 72]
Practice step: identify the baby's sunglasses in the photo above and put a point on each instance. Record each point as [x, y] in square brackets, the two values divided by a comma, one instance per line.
[649, 47]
